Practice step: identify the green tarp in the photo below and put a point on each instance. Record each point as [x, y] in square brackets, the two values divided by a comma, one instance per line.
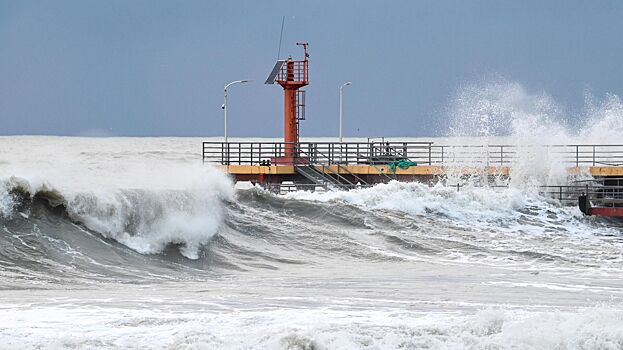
[402, 164]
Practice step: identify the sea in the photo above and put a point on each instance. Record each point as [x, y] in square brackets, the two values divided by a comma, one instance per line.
[133, 243]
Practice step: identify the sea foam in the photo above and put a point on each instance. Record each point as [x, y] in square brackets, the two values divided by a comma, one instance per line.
[142, 201]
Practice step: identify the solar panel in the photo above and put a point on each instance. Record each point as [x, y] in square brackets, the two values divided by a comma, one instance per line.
[273, 74]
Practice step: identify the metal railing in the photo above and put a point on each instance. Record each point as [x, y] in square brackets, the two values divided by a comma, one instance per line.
[282, 188]
[602, 191]
[328, 153]
[603, 195]
[424, 153]
[293, 71]
[504, 155]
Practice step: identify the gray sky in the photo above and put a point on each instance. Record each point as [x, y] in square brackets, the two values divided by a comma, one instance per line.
[157, 68]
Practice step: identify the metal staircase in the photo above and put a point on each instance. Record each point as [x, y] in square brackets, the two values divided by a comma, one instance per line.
[325, 176]
[319, 178]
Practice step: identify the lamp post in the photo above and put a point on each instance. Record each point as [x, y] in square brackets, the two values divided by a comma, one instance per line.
[225, 101]
[342, 87]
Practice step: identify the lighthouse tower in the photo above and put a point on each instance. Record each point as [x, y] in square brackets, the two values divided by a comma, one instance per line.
[292, 75]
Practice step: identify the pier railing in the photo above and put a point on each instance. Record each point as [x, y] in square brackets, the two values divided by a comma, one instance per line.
[423, 153]
[601, 192]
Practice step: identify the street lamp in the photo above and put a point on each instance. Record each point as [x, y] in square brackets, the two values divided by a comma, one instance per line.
[341, 87]
[224, 106]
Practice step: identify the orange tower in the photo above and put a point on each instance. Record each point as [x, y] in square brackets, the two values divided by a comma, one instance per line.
[291, 75]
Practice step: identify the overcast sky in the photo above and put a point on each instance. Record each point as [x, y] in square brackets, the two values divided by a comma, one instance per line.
[157, 68]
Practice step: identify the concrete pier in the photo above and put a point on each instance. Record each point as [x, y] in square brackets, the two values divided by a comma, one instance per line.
[350, 164]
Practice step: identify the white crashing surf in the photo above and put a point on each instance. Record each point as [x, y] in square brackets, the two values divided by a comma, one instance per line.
[148, 221]
[587, 329]
[6, 202]
[502, 112]
[486, 209]
[421, 199]
[142, 202]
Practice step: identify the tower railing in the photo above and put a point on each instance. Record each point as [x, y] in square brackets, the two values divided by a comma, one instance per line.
[293, 71]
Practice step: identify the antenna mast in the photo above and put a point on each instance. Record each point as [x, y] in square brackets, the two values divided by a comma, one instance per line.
[283, 20]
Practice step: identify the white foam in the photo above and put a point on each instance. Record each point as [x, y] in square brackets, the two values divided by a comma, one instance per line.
[165, 327]
[510, 227]
[144, 193]
[605, 121]
[148, 221]
[503, 112]
[420, 199]
[6, 201]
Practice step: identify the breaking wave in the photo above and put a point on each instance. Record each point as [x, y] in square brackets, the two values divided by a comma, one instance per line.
[503, 112]
[146, 220]
[497, 108]
[397, 265]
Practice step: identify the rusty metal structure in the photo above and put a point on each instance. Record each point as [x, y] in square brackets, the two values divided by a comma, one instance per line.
[292, 75]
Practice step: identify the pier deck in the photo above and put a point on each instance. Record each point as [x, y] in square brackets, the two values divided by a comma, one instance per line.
[373, 162]
[422, 170]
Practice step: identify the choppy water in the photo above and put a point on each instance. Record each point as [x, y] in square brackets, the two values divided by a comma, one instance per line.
[115, 243]
[131, 243]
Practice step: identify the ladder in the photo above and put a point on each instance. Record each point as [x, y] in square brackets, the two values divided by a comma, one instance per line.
[300, 111]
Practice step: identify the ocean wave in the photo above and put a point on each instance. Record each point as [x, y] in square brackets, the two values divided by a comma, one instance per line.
[491, 226]
[146, 220]
[475, 204]
[503, 209]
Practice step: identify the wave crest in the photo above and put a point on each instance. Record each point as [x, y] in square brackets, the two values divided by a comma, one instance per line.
[145, 220]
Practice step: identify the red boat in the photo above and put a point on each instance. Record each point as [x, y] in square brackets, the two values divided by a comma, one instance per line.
[603, 197]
